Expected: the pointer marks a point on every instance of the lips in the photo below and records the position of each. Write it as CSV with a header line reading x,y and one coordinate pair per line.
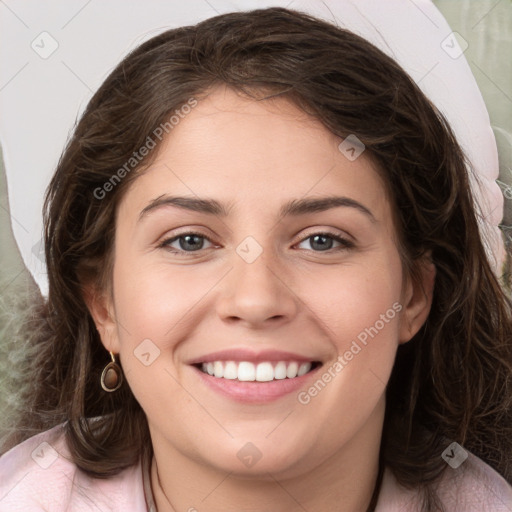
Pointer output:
x,y
250,376
245,354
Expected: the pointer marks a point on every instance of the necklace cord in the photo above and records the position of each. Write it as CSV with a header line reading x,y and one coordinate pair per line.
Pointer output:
x,y
376,490
146,458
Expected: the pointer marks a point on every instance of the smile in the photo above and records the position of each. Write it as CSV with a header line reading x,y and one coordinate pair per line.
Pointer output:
x,y
265,371
253,376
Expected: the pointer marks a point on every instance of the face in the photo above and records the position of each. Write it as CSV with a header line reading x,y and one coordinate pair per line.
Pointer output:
x,y
254,275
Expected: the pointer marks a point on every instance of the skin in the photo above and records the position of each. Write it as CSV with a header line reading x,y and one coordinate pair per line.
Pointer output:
x,y
254,157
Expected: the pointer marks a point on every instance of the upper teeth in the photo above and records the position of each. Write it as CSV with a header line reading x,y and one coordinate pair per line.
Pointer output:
x,y
261,372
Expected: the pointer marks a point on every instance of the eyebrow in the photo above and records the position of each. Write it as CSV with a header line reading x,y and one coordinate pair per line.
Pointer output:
x,y
294,207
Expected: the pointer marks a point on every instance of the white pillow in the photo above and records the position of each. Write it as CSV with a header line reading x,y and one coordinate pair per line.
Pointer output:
x,y
63,54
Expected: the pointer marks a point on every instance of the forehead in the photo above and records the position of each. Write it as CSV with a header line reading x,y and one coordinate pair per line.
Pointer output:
x,y
256,153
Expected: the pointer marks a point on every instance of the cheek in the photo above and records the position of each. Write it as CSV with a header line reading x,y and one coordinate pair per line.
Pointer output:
x,y
153,299
357,311
360,313
151,305
157,307
356,297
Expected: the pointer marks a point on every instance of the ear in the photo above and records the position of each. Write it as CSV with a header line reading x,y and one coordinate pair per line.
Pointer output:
x,y
101,308
417,299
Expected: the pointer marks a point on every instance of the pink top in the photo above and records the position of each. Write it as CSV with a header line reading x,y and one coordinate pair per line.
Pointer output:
x,y
38,475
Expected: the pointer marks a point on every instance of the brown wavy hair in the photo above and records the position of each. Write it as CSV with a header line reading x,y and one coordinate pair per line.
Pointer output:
x,y
451,382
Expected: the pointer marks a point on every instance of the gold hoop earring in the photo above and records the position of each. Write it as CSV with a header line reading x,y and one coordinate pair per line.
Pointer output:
x,y
112,376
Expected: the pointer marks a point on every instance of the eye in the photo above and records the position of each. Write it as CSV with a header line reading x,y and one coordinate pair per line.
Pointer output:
x,y
323,242
187,242
193,242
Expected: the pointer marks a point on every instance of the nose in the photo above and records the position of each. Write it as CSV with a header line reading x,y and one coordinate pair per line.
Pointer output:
x,y
257,294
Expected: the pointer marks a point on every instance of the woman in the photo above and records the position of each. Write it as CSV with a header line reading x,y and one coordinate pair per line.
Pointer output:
x,y
267,290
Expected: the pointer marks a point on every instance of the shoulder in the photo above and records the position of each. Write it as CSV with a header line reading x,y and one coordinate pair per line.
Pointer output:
x,y
39,475
471,487
475,486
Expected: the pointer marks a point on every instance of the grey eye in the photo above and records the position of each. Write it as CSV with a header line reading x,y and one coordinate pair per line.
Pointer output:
x,y
188,242
322,242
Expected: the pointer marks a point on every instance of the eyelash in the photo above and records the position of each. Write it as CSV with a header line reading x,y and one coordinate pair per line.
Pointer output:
x,y
345,244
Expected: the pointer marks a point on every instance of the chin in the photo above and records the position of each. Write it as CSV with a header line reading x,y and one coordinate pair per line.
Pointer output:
x,y
256,459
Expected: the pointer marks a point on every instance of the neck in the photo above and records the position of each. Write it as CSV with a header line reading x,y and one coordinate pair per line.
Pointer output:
x,y
344,481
